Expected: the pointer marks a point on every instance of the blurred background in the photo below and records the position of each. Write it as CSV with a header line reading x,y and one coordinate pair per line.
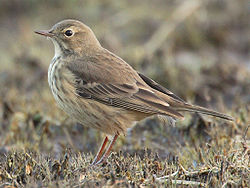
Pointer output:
x,y
197,49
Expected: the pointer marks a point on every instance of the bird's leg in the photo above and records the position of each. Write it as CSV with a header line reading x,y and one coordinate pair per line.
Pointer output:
x,y
106,154
99,153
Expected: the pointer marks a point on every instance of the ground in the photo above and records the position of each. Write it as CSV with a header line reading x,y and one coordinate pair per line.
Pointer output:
x,y
197,49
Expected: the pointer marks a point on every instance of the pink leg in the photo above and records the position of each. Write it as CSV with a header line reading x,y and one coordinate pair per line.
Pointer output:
x,y
106,154
98,155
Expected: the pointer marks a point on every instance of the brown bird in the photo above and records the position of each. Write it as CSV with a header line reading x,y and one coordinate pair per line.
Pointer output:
x,y
102,91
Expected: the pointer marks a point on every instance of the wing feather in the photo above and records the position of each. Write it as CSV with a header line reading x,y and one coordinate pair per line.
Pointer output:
x,y
159,88
118,85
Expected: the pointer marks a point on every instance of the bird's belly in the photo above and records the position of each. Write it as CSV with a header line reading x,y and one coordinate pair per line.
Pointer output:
x,y
93,114
69,104
99,116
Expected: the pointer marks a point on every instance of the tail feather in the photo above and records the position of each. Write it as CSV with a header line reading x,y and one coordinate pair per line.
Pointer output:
x,y
202,110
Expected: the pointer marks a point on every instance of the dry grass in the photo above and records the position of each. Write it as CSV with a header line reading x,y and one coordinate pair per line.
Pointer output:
x,y
203,57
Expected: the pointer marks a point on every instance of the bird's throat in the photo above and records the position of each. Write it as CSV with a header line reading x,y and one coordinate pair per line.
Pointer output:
x,y
58,48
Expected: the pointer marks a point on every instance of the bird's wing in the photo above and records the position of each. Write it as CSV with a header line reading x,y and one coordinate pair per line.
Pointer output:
x,y
109,80
160,88
125,96
177,103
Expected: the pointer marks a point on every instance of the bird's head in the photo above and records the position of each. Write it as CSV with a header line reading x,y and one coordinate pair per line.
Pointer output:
x,y
70,37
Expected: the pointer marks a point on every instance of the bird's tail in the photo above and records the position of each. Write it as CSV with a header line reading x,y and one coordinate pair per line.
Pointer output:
x,y
193,108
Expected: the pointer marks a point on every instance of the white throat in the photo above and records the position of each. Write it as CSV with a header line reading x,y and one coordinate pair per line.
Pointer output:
x,y
58,50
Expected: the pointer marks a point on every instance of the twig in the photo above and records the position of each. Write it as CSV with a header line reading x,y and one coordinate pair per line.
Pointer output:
x,y
187,173
13,178
183,182
162,33
167,176
33,160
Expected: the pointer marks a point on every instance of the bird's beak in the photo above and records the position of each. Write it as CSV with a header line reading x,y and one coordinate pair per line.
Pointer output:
x,y
45,33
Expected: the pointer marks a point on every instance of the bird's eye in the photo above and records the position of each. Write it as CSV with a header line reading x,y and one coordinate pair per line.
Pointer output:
x,y
68,33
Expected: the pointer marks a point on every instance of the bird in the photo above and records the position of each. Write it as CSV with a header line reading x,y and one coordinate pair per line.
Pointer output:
x,y
102,91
